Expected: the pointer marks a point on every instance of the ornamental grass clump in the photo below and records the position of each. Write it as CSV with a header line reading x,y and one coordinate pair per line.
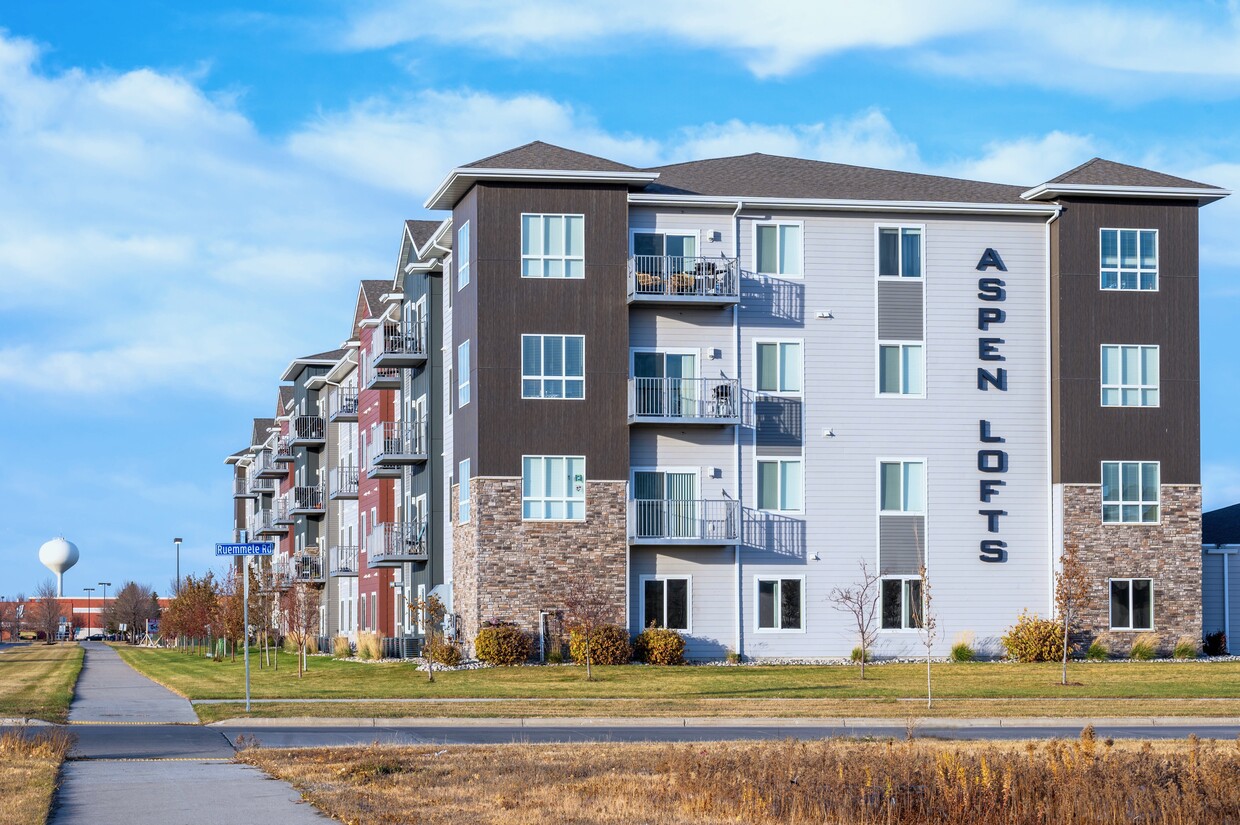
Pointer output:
x,y
659,646
1185,648
369,646
858,655
1034,639
502,644
963,652
341,649
1098,651
1144,648
609,645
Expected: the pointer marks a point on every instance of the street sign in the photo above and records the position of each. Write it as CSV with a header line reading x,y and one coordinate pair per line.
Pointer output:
x,y
249,548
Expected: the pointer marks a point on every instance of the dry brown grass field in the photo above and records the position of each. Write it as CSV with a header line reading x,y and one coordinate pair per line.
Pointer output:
x,y
837,781
29,767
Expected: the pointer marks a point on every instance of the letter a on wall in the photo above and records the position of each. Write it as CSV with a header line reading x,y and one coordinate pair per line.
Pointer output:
x,y
990,258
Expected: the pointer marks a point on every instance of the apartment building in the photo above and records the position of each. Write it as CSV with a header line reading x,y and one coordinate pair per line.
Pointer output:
x,y
712,391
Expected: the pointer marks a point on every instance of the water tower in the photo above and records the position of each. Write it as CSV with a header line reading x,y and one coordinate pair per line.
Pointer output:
x,y
58,555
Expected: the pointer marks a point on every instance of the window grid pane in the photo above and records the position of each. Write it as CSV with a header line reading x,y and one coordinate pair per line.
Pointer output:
x,y
1128,259
1130,492
1130,376
552,246
553,488
547,360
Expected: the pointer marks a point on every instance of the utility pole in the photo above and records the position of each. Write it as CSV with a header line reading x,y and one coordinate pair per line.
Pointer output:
x,y
177,542
103,606
88,591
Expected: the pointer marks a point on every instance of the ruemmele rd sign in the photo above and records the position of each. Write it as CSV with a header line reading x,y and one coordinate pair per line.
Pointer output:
x,y
248,548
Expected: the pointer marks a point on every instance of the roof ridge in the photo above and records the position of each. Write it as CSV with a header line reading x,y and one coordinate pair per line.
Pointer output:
x,y
515,149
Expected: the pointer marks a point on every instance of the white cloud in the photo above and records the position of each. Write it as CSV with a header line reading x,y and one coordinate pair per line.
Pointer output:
x,y
1026,161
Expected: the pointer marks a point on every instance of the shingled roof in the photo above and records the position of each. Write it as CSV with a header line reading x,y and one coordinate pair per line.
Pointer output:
x,y
421,231
1099,172
1221,526
261,426
539,155
285,398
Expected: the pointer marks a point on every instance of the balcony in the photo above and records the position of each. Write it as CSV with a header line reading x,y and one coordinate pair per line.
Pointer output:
x,y
398,443
344,560
264,466
398,345
258,486
342,482
281,509
381,378
241,488
394,543
281,572
265,522
306,567
710,401
678,279
307,431
344,405
284,450
306,501
674,522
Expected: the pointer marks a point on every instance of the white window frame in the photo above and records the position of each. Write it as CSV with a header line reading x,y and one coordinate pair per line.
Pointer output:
x,y
641,598
779,358
1121,502
463,388
563,258
463,258
878,227
667,233
464,509
565,499
779,595
878,368
781,459
925,491
905,626
1130,580
754,244
1140,388
542,364
1118,269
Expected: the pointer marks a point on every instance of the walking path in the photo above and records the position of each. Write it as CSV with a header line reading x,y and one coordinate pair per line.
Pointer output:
x,y
170,775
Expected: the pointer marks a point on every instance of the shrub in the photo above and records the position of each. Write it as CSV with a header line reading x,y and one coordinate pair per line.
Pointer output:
x,y
732,657
341,648
609,646
1185,648
659,646
1144,647
1098,651
963,652
442,651
555,656
1215,644
1033,639
855,656
369,646
502,644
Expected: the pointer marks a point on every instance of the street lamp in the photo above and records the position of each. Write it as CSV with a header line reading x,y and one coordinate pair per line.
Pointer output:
x,y
88,591
177,542
103,605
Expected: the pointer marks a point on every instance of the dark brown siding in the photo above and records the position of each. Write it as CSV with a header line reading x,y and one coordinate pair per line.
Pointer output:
x,y
1084,317
465,328
508,305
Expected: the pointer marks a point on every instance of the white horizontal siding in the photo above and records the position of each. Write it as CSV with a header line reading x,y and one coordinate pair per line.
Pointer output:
x,y
712,594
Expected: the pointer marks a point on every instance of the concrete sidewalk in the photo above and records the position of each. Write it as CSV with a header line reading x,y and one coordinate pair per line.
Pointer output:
x,y
111,691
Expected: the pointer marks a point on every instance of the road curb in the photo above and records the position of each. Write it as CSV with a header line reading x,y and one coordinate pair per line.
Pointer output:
x,y
14,721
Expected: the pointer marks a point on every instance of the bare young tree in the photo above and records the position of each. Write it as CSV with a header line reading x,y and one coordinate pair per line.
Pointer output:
x,y
45,612
299,613
588,610
429,612
861,603
1071,594
20,618
133,606
8,620
927,627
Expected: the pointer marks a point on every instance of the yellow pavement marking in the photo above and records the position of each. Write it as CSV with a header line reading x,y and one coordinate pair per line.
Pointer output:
x,y
90,722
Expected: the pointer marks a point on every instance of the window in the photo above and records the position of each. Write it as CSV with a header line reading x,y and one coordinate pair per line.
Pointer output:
x,y
553,366
553,246
665,603
463,257
553,488
365,615
777,249
902,487
463,493
1129,259
779,484
1129,376
658,245
901,603
780,604
462,374
899,252
779,366
1130,492
1132,604
901,369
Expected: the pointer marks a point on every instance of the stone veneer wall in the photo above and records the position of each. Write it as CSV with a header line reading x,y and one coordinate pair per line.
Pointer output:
x,y
509,569
1169,553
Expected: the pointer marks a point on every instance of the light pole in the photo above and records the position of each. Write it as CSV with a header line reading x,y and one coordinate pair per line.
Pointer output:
x,y
103,605
88,591
177,542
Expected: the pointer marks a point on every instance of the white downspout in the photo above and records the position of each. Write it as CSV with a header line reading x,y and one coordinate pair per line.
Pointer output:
x,y
1054,541
736,431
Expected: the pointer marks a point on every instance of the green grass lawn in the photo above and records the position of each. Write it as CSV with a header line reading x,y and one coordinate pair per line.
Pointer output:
x,y
36,681
201,678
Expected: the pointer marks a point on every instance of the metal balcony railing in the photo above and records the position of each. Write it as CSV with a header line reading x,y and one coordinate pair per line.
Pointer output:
x,y
284,449
306,567
394,542
282,508
344,405
398,345
241,489
342,481
344,560
657,521
306,500
402,442
308,430
265,465
671,278
265,521
685,400
260,486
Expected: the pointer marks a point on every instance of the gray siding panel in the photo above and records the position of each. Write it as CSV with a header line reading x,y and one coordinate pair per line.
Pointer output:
x,y
780,422
901,545
901,311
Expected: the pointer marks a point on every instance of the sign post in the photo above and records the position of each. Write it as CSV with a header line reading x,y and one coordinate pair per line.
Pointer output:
x,y
246,549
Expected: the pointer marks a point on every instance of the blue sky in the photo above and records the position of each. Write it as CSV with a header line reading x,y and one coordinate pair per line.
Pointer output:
x,y
189,192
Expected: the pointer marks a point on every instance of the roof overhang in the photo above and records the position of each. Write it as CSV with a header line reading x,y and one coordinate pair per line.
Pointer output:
x,y
1050,191
342,368
440,239
459,180
839,204
299,364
